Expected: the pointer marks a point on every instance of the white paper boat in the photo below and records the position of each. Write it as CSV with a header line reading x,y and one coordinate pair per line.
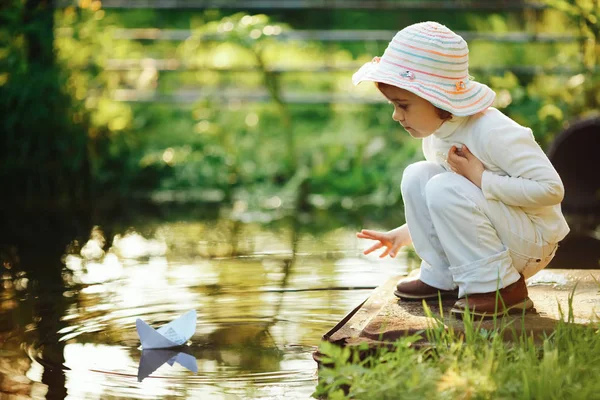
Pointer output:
x,y
175,333
152,359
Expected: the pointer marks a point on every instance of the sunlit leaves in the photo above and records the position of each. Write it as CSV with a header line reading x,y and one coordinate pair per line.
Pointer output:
x,y
350,150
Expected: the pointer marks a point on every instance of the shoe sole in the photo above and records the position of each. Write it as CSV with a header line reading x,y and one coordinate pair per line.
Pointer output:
x,y
405,296
525,306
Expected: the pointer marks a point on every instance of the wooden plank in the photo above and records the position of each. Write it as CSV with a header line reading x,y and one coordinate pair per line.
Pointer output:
x,y
176,65
340,35
492,5
224,96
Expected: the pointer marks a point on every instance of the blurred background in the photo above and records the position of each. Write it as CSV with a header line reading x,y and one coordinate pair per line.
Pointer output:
x,y
161,155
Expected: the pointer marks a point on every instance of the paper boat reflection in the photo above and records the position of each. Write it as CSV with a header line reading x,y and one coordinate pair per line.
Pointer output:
x,y
154,358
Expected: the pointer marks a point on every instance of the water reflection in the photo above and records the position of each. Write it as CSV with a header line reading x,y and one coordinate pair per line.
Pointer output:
x,y
152,359
263,296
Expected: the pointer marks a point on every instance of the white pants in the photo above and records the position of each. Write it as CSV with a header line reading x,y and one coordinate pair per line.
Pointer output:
x,y
464,239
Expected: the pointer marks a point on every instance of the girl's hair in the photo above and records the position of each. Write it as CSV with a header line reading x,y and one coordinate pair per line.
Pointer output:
x,y
443,114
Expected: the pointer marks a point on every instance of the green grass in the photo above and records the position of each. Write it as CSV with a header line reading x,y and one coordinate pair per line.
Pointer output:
x,y
478,364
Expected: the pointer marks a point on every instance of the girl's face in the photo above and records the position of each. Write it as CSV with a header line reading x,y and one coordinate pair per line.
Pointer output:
x,y
418,116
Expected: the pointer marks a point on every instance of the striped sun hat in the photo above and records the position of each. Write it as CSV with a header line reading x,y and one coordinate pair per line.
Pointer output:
x,y
432,62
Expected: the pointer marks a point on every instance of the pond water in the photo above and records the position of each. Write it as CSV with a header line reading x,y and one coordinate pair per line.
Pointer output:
x,y
263,296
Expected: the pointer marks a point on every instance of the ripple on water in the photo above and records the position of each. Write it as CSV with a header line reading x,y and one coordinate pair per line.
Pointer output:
x,y
260,317
244,356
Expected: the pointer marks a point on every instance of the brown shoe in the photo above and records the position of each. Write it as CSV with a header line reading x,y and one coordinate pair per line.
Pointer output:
x,y
416,289
511,299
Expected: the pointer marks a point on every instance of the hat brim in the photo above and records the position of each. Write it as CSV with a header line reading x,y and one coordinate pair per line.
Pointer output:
x,y
473,98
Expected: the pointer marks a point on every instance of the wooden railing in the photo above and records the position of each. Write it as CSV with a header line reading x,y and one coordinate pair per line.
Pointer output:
x,y
176,65
190,95
499,5
344,35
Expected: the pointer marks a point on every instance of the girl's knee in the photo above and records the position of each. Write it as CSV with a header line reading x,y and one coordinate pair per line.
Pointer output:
x,y
444,189
417,174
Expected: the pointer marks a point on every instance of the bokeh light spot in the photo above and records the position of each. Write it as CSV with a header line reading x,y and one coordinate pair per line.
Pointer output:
x,y
251,119
168,156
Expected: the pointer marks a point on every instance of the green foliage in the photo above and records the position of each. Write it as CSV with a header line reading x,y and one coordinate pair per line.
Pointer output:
x,y
43,142
547,102
227,149
478,364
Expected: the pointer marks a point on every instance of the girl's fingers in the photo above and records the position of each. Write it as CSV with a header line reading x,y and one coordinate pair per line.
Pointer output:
x,y
452,163
371,234
373,248
363,236
453,155
385,253
394,250
455,159
467,153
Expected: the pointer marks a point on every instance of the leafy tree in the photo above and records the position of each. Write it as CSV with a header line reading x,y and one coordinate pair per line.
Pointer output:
x,y
43,132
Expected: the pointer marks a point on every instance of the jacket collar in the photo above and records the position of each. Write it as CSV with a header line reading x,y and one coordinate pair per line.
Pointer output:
x,y
449,127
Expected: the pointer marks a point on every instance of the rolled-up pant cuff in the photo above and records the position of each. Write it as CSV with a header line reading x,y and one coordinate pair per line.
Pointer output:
x,y
436,277
485,275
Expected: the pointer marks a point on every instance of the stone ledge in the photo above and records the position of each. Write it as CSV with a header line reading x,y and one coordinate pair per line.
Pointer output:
x,y
382,318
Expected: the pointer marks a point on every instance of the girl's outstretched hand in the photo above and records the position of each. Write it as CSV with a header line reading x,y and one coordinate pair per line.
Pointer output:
x,y
463,162
392,240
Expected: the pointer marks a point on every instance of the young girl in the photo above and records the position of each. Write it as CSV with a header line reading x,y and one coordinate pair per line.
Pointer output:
x,y
483,211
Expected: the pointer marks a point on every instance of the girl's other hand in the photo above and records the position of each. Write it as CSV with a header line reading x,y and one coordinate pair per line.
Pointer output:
x,y
463,162
392,240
